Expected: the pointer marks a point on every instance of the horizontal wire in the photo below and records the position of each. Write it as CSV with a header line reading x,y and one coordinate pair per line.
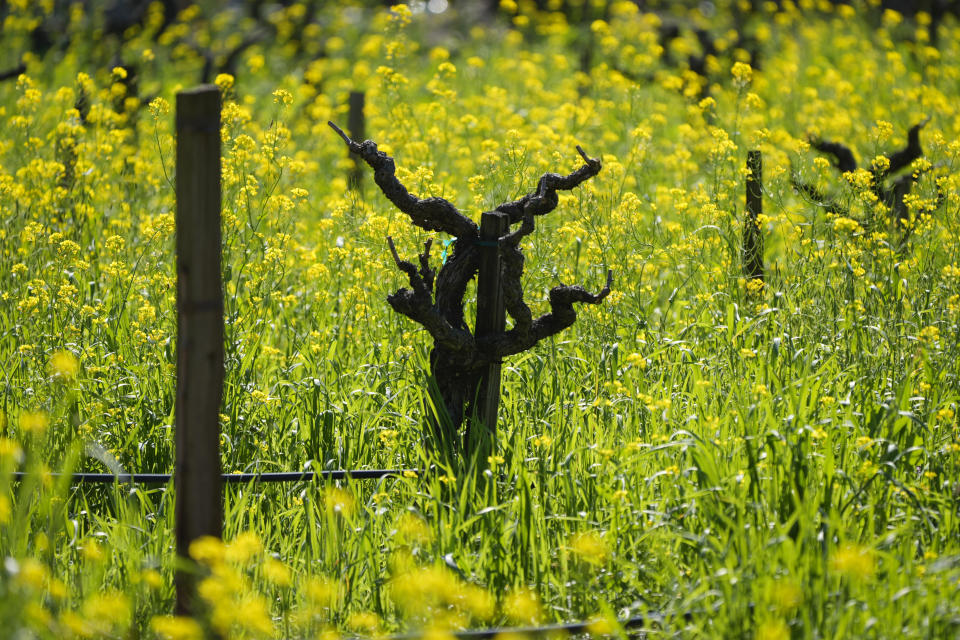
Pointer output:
x,y
231,478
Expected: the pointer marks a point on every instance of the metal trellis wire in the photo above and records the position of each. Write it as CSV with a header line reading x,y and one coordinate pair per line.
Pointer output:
x,y
233,478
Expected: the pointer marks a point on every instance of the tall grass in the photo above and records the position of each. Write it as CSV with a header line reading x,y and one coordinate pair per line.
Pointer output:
x,y
730,461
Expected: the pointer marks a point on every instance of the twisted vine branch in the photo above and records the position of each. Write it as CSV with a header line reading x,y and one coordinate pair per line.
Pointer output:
x,y
845,161
435,299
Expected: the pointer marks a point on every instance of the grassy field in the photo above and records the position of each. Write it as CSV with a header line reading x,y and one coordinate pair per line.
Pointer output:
x,y
730,460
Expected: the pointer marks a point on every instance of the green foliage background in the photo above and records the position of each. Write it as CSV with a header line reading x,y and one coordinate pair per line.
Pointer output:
x,y
770,462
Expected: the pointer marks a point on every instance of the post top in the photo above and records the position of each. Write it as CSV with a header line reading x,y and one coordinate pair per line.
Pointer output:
x,y
200,90
198,110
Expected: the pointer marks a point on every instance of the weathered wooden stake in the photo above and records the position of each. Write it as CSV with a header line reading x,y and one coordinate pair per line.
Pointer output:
x,y
752,237
491,318
199,511
357,124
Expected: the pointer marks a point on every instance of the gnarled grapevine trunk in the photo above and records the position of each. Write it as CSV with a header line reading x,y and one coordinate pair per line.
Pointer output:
x,y
892,197
435,300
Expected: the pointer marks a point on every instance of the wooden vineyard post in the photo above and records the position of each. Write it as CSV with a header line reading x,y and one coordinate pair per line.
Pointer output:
x,y
200,334
491,318
356,123
752,237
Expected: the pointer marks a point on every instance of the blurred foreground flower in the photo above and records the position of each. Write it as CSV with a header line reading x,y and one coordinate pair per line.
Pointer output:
x,y
854,562
176,628
64,366
34,421
590,547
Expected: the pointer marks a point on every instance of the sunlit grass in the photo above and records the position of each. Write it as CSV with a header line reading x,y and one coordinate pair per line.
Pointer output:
x,y
731,460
